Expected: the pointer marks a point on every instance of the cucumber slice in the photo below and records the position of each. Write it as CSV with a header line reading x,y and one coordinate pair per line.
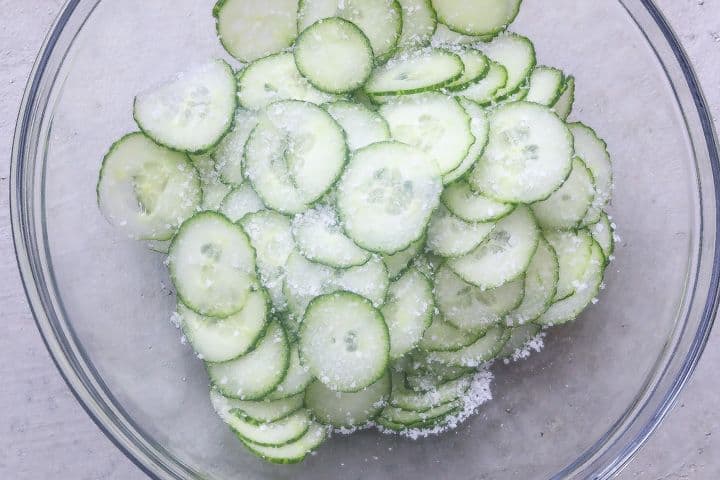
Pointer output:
x,y
573,251
588,286
566,208
347,410
255,375
450,236
409,419
275,434
476,66
294,155
255,412
429,376
484,91
564,105
147,190
241,201
506,254
408,311
464,203
603,232
275,78
397,263
223,340
468,307
253,29
362,126
593,151
334,55
193,112
541,281
230,151
481,17
296,380
528,157
415,72
519,95
444,36
546,85
319,237
214,191
370,281
484,349
212,265
406,399
519,338
344,342
304,281
442,336
517,54
435,123
294,452
418,23
386,196
480,129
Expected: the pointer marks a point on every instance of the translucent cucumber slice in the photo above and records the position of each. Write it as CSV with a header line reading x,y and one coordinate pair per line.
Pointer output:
x,y
564,104
406,399
442,336
604,234
418,23
294,452
398,262
484,349
476,66
480,128
275,434
450,236
480,17
347,410
296,380
545,86
593,151
519,338
256,412
566,208
214,190
573,250
241,201
416,71
517,54
409,418
484,91
470,206
408,311
230,152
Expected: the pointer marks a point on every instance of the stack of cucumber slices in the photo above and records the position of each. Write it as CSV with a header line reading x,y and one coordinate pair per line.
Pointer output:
x,y
380,199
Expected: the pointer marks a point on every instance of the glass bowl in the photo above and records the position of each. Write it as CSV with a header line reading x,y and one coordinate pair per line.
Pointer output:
x,y
578,409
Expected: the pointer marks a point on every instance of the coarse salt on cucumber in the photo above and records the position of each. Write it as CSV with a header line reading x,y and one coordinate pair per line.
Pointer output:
x,y
450,236
418,23
566,208
483,350
397,263
442,336
484,90
476,66
415,72
593,151
517,54
214,190
347,410
296,380
362,126
411,418
294,452
480,129
464,203
564,104
241,201
406,399
480,17
517,345
604,234
573,249
230,152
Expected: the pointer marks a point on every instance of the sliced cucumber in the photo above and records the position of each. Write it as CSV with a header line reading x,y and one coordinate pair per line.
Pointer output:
x,y
273,79
362,126
418,23
449,236
519,338
344,342
484,91
406,399
484,349
604,234
481,17
573,250
504,256
253,29
255,375
304,281
593,151
566,208
546,85
443,36
435,123
464,203
147,190
528,157
294,452
476,66
442,336
347,410
230,151
193,112
386,196
408,418
370,281
587,287
212,265
214,191
275,434
541,280
334,55
415,72
398,262
480,129
564,105
296,380
319,237
429,376
241,201
223,340
255,412
408,311
517,54
159,246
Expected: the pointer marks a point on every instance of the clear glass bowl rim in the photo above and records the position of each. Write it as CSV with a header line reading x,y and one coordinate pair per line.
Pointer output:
x,y
605,459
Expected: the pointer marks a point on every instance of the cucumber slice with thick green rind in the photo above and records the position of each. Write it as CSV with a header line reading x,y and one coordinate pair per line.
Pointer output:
x,y
506,254
593,151
362,126
193,112
275,434
386,196
408,311
408,418
573,250
449,236
397,263
480,17
435,123
464,203
257,374
241,201
253,29
519,338
159,246
212,265
230,151
344,342
480,129
334,55
588,286
347,410
484,91
256,412
564,104
418,23
484,349
545,86
517,54
296,380
294,452
380,20
319,237
566,208
541,281
414,401
223,340
415,72
442,336
276,78
370,281
528,157
468,307
147,190
604,234
476,66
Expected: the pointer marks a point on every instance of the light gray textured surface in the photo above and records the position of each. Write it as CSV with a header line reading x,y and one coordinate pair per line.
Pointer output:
x,y
44,432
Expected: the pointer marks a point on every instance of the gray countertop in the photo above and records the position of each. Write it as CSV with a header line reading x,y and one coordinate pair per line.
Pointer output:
x,y
44,433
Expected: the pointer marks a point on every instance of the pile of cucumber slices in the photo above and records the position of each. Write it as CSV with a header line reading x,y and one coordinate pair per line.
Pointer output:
x,y
381,198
